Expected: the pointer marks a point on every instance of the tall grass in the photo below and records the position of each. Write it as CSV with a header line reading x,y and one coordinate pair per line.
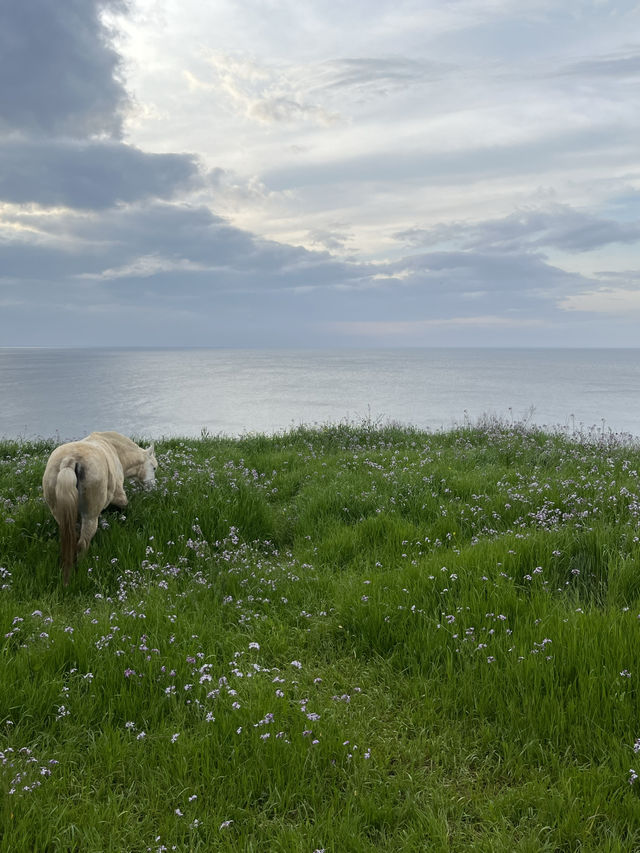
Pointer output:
x,y
343,639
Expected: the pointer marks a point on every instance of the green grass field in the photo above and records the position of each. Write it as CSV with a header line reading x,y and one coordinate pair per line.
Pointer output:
x,y
352,638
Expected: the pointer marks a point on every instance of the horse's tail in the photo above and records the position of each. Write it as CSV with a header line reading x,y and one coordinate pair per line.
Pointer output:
x,y
67,514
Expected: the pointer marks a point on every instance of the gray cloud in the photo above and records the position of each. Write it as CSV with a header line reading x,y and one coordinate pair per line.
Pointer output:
x,y
61,109
58,72
88,174
559,227
164,246
561,150
186,257
335,238
622,66
159,274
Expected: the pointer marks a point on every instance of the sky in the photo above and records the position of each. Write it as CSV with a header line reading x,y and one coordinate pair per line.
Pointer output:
x,y
313,173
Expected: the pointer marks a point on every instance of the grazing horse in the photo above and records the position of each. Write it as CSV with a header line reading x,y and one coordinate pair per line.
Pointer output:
x,y
84,477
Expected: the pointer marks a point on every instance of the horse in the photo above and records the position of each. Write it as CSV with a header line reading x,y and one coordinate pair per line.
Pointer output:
x,y
83,477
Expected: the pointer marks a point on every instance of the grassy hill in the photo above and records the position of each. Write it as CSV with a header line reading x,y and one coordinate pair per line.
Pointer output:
x,y
340,639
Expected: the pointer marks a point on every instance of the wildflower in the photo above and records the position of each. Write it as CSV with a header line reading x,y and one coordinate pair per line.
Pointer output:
x,y
254,646
296,663
174,737
225,824
141,736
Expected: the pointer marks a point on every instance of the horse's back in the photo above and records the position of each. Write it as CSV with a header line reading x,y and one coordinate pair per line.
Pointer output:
x,y
96,464
115,440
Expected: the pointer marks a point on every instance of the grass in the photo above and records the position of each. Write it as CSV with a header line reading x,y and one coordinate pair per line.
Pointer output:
x,y
343,639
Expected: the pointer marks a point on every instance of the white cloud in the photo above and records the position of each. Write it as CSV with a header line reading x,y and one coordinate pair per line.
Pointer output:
x,y
144,267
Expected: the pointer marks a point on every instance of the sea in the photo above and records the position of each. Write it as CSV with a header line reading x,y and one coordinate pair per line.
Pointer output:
x,y
151,393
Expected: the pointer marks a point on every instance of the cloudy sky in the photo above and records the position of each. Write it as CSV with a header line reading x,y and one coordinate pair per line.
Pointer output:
x,y
319,173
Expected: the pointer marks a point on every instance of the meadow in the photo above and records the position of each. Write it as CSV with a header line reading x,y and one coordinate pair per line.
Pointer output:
x,y
344,638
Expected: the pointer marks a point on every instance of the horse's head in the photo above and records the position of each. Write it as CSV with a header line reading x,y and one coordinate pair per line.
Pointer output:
x,y
148,468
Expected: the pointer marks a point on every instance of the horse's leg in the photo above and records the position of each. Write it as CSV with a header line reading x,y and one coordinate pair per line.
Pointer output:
x,y
119,498
87,531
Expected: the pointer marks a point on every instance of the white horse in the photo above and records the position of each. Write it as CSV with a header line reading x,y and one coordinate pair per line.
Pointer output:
x,y
84,477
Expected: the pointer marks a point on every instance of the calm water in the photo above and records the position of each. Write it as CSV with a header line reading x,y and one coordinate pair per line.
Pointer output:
x,y
67,393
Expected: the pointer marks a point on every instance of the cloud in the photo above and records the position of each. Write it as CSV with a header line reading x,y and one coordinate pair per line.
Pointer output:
x,y
314,92
145,266
334,238
400,328
58,71
280,108
622,66
163,245
62,102
464,271
610,301
266,93
89,174
377,75
169,273
558,227
460,151
334,125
